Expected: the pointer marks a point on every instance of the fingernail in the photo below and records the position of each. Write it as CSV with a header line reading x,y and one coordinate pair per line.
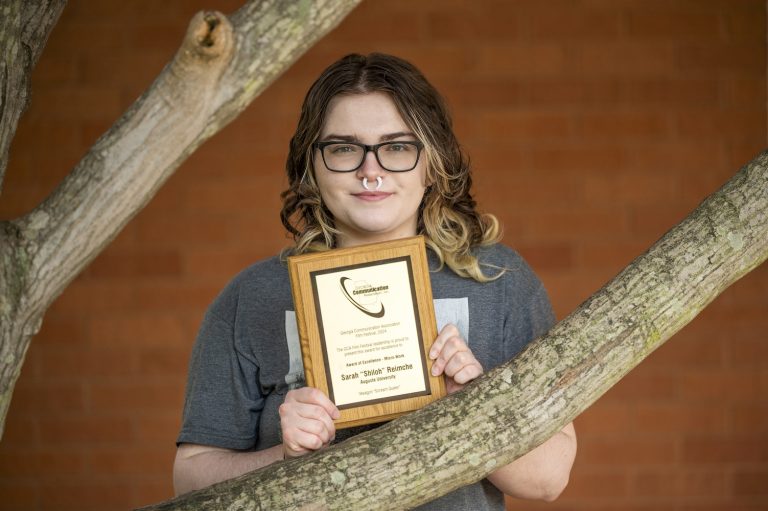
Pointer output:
x,y
435,372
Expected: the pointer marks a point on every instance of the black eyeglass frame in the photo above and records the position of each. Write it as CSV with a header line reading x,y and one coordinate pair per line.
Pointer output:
x,y
372,148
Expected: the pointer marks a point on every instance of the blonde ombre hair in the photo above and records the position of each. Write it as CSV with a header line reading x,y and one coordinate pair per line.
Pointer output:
x,y
447,218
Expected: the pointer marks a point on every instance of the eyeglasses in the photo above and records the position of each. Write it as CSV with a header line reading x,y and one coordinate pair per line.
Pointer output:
x,y
349,156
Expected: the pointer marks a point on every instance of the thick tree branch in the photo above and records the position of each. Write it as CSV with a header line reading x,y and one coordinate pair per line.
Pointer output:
x,y
517,406
220,68
24,29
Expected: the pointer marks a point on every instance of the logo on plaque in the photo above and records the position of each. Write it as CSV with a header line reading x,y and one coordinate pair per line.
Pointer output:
x,y
364,296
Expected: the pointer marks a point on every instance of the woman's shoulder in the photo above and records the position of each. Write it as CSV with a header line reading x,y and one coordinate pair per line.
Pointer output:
x,y
503,257
266,274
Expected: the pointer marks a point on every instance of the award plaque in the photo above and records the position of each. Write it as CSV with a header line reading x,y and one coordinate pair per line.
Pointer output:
x,y
366,322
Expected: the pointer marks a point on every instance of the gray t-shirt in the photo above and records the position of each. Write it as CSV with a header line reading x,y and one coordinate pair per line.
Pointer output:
x,y
247,356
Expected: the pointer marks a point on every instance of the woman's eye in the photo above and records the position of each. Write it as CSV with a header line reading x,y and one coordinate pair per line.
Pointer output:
x,y
343,148
398,148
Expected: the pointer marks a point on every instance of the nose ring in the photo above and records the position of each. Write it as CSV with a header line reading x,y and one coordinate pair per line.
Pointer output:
x,y
378,183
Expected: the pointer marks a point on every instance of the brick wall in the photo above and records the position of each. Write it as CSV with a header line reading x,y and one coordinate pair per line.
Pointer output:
x,y
593,126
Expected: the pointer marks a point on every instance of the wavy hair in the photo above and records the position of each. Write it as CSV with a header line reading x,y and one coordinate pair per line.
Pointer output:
x,y
447,218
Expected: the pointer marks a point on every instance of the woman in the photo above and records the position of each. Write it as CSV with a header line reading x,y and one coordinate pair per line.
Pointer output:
x,y
374,158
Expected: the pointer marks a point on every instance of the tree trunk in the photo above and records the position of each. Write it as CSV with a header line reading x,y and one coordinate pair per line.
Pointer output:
x,y
512,409
24,29
222,65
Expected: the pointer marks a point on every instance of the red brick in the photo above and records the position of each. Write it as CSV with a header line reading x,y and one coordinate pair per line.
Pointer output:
x,y
585,224
521,126
712,58
587,483
132,461
551,256
672,92
605,418
80,103
133,396
645,383
573,22
482,93
751,482
462,23
585,158
520,60
160,428
152,492
623,58
614,253
702,449
436,62
37,132
137,329
627,451
395,24
162,361
745,27
60,331
568,91
744,91
84,295
623,124
220,264
632,188
19,496
20,430
82,430
131,265
177,295
86,363
698,482
29,463
674,25
731,385
675,418
86,495
39,397
717,124
688,349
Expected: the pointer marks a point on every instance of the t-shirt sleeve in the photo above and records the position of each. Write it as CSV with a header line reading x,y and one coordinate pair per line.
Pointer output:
x,y
223,401
529,312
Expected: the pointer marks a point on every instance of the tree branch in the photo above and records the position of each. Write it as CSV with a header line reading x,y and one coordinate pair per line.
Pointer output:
x,y
221,67
512,409
24,29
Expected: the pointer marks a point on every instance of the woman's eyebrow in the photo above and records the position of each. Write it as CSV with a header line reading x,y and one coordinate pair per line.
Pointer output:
x,y
384,138
399,134
344,138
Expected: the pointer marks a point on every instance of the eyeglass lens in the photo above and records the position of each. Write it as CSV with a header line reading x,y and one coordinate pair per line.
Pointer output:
x,y
392,156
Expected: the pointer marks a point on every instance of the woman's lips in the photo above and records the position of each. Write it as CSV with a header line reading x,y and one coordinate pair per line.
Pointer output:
x,y
372,196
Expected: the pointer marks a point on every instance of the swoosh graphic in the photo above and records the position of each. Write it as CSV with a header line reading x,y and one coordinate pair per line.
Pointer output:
x,y
353,302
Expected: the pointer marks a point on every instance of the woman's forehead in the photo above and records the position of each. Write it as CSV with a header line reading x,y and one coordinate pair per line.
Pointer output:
x,y
366,115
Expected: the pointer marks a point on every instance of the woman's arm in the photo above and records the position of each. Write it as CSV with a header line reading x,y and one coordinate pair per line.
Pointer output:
x,y
197,466
543,473
306,421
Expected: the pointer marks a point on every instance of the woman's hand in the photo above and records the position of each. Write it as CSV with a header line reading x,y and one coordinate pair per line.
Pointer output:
x,y
306,421
452,357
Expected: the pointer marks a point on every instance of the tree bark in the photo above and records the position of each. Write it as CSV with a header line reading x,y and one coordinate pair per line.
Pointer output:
x,y
222,65
512,409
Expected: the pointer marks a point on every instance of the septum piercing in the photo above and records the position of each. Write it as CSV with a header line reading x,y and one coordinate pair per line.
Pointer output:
x,y
378,182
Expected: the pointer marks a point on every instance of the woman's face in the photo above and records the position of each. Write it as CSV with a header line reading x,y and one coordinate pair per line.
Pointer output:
x,y
367,216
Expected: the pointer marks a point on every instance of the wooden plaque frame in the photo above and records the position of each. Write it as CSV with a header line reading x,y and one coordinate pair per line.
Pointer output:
x,y
372,359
